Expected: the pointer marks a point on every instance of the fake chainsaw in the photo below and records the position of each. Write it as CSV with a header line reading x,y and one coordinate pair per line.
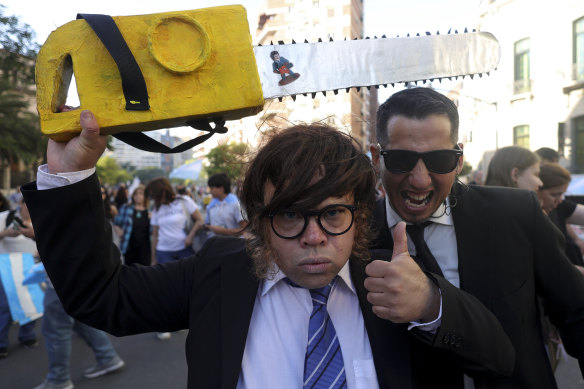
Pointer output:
x,y
140,73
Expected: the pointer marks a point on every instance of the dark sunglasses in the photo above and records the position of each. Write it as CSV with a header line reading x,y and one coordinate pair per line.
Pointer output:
x,y
436,161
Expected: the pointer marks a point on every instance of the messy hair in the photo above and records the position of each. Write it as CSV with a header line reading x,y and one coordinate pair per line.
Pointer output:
x,y
304,165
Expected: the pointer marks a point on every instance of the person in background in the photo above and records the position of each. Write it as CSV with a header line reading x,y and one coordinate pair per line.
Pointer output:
x,y
121,197
572,238
555,180
132,225
514,167
493,245
223,216
16,236
477,178
170,218
548,155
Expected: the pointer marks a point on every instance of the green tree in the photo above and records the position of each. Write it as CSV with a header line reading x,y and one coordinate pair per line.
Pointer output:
x,y
19,128
229,158
147,174
109,172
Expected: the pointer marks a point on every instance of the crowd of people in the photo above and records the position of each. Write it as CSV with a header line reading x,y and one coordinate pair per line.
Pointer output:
x,y
331,269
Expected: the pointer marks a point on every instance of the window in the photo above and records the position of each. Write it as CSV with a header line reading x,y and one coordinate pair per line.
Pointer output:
x,y
579,144
522,82
521,136
578,50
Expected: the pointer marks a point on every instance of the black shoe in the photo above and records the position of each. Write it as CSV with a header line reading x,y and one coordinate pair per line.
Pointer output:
x,y
31,343
3,352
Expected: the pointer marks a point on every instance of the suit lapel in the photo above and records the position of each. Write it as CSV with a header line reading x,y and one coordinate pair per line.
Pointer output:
x,y
238,291
389,341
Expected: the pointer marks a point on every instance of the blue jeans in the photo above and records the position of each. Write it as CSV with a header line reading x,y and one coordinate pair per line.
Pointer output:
x,y
25,332
58,329
168,256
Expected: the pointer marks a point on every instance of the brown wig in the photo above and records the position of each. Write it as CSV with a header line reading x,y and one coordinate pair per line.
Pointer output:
x,y
160,190
553,174
505,160
305,164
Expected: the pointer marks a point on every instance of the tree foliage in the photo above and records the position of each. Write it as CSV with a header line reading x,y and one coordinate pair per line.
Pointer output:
x,y
147,174
19,128
229,158
109,172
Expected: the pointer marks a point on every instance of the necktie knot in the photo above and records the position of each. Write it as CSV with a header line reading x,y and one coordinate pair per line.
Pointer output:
x,y
321,295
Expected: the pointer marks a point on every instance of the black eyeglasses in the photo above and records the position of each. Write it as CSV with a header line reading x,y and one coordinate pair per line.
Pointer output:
x,y
436,161
334,219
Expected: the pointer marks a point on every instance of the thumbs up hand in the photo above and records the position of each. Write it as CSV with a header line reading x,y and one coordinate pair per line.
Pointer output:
x,y
399,290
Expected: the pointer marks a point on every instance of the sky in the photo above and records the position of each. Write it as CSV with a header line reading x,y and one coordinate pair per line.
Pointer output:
x,y
389,17
381,17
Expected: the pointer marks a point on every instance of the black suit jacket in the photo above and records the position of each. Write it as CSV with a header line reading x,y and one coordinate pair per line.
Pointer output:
x,y
509,253
213,295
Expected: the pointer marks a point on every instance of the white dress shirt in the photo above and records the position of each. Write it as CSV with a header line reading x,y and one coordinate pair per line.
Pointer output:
x,y
278,334
441,240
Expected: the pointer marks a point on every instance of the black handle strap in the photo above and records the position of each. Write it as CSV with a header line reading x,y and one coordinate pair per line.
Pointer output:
x,y
133,82
135,91
144,142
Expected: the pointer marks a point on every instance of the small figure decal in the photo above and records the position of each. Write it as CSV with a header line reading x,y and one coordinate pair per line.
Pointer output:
x,y
282,67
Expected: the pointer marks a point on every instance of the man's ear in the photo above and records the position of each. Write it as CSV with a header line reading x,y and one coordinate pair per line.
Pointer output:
x,y
374,157
514,174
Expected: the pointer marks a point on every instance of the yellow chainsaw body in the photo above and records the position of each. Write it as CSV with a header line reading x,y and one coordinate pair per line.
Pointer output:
x,y
197,64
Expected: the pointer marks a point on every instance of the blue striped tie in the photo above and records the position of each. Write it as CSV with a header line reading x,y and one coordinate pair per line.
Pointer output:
x,y
323,366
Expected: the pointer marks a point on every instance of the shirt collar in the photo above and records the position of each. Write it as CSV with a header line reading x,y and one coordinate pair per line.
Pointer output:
x,y
440,216
278,275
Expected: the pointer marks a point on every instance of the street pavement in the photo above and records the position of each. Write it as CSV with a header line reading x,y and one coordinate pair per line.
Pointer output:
x,y
150,364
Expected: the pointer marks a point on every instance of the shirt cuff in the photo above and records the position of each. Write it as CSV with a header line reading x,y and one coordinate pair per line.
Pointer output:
x,y
46,180
432,326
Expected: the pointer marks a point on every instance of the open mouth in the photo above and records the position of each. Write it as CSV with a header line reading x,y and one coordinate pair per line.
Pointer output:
x,y
416,200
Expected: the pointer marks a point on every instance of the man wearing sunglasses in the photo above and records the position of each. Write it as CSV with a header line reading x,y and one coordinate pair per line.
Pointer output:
x,y
484,247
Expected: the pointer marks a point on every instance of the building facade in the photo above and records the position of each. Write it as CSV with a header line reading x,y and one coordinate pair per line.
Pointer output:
x,y
535,97
300,20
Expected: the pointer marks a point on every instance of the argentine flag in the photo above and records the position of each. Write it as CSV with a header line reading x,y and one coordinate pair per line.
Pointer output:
x,y
25,301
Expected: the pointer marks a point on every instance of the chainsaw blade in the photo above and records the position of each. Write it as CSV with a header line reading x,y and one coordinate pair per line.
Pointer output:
x,y
303,68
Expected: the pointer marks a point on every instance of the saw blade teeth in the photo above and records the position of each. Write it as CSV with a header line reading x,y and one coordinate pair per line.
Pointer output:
x,y
336,91
474,30
376,86
465,30
280,99
347,90
392,84
293,42
366,37
293,97
417,34
471,76
358,88
383,36
306,41
449,30
407,36
320,39
323,93
313,94
437,32
281,42
355,38
456,31
271,43
428,33
304,94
